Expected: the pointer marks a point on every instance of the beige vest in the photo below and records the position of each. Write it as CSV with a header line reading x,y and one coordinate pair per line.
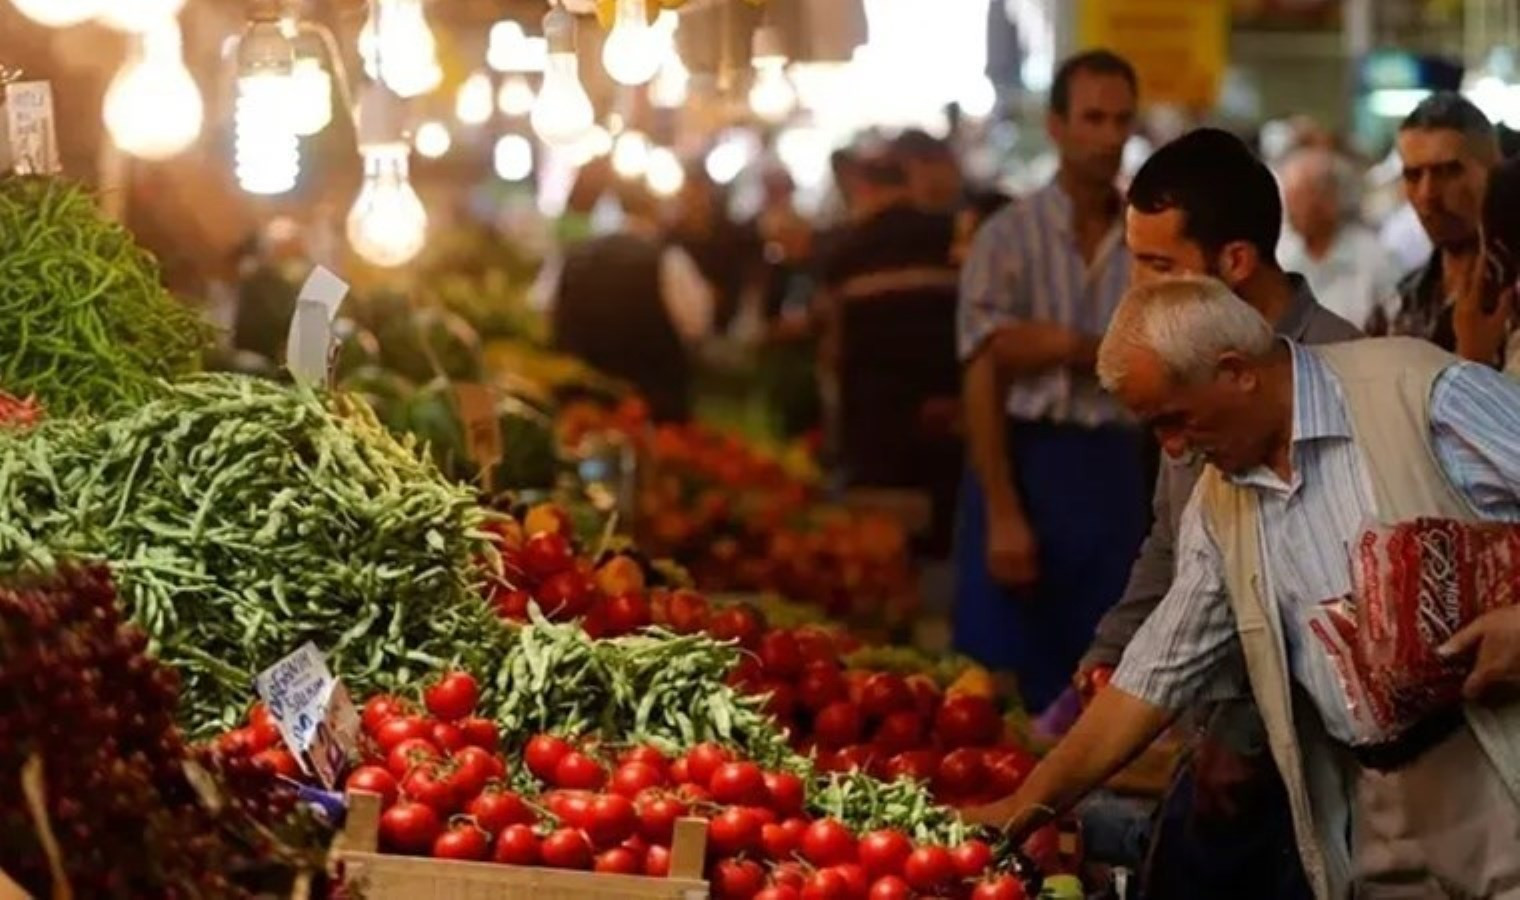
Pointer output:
x,y
1386,384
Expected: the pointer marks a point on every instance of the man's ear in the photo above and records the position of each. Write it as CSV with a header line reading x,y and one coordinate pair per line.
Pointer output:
x,y
1233,368
1237,263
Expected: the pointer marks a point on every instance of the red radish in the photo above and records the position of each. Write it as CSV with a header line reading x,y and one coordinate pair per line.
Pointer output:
x,y
278,761
627,613
566,595
740,623
688,612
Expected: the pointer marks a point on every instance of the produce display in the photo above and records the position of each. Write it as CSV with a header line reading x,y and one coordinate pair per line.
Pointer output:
x,y
88,325
242,519
114,810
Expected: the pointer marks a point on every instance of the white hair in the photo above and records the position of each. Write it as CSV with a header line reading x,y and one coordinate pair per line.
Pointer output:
x,y
1188,322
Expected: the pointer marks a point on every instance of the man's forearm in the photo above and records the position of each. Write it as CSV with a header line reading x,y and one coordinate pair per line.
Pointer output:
x,y
1030,348
986,433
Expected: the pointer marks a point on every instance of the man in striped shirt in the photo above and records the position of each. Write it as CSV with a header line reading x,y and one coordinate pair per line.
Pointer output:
x,y
1050,522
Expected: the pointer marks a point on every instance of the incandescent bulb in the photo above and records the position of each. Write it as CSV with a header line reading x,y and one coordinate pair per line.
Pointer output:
x,y
665,174
153,109
633,50
388,224
137,15
562,112
513,158
268,154
516,96
476,100
310,96
505,41
594,144
59,13
630,154
668,90
433,140
771,96
400,50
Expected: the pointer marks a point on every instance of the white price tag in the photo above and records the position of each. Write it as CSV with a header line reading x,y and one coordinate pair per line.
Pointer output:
x,y
29,142
312,708
309,343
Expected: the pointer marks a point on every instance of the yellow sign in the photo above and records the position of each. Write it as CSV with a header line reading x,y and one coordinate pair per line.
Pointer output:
x,y
1178,47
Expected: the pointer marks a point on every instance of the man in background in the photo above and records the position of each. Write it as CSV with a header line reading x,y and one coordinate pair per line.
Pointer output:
x,y
1049,527
935,181
1345,264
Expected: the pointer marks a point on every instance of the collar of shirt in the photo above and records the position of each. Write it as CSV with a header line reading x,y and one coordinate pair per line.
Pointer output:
x,y
1057,212
1294,323
1319,413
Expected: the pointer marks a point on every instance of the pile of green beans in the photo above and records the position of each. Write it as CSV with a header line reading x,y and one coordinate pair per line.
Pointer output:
x,y
241,519
85,323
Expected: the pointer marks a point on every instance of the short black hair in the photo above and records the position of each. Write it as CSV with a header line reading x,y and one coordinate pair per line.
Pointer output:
x,y
1450,111
1094,62
917,144
1225,193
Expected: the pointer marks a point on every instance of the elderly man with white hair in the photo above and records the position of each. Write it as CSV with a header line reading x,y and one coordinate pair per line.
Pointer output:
x,y
1306,447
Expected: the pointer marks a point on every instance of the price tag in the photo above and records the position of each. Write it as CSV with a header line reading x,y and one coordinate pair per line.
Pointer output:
x,y
482,430
315,715
309,344
29,142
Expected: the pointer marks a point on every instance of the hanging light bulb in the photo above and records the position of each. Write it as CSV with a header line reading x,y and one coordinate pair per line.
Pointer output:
x,y
59,13
399,48
505,43
137,15
388,224
268,154
513,158
153,109
476,100
594,144
630,154
516,96
563,112
668,90
311,96
665,175
771,95
633,50
433,140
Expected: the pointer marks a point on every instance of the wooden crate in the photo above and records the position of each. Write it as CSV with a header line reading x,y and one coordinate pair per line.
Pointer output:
x,y
370,875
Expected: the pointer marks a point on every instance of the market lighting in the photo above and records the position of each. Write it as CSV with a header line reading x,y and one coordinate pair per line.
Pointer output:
x,y
771,96
562,113
978,98
666,176
267,152
399,48
516,96
476,100
668,90
137,15
595,144
311,96
59,13
726,160
513,158
633,50
153,109
433,140
1395,103
630,154
505,41
388,224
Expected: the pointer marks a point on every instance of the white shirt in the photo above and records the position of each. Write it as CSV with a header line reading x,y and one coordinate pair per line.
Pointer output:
x,y
1356,276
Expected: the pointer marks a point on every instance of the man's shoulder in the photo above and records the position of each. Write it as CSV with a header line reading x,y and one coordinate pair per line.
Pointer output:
x,y
1323,326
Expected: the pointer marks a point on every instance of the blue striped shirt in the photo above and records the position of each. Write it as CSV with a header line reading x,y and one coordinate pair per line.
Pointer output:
x,y
1308,526
1026,266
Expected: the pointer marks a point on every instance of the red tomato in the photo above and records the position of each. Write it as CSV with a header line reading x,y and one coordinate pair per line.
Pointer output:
x,y
972,859
657,861
837,725
511,605
566,848
1006,771
856,757
279,761
786,792
494,810
462,841
1043,847
746,675
376,780
821,684
657,816
778,892
780,700
627,613
734,831
826,884
517,845
618,861
884,694
919,765
431,784
409,827
693,794
961,773
883,852
633,778
613,820
566,595
999,887
739,784
791,874
816,644
647,755
378,709
899,732
927,696
855,876
546,554
476,767
889,888
967,721
237,742
571,808
780,655
264,734
481,733
778,842
687,611
577,771
703,760
740,623
680,772
400,728
542,755
452,697
735,879
827,842
929,868
408,754
447,736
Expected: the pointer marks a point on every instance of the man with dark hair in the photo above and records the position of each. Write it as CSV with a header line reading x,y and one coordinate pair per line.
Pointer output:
x,y
934,174
1051,521
1206,205
1448,147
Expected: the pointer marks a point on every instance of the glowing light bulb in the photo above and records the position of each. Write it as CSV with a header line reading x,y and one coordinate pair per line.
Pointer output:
x,y
433,140
267,152
633,50
476,100
726,160
153,109
388,224
137,15
665,174
978,99
630,154
513,158
59,13
594,144
668,90
562,112
400,49
505,41
516,96
771,96
311,96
